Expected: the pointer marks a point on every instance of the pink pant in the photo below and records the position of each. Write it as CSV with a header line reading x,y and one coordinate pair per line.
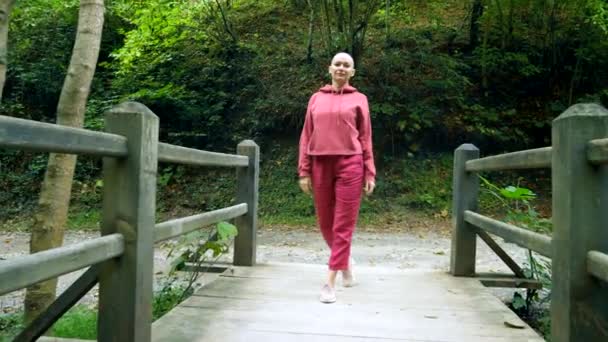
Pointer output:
x,y
337,183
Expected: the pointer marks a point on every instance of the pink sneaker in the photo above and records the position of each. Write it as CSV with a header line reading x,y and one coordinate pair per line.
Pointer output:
x,y
328,295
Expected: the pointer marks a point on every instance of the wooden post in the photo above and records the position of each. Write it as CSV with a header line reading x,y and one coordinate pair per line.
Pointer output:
x,y
129,201
579,306
465,195
245,243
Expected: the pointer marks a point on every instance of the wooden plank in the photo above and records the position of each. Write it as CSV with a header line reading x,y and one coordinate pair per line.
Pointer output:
x,y
177,227
597,151
522,237
529,159
431,306
31,269
245,243
61,305
183,155
579,303
465,193
510,282
28,135
129,207
501,253
597,265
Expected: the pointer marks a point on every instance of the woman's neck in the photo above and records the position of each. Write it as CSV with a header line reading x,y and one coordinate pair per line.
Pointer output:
x,y
338,85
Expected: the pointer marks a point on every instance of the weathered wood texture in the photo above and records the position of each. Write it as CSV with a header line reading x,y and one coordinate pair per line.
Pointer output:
x,y
507,280
522,237
30,269
245,242
579,304
465,194
61,305
528,159
279,302
539,243
125,285
30,135
597,265
183,155
597,151
177,227
501,253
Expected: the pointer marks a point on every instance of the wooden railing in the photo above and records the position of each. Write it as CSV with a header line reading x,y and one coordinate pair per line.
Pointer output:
x,y
121,259
579,244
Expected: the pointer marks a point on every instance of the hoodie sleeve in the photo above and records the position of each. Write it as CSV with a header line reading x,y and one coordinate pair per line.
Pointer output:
x,y
365,138
303,157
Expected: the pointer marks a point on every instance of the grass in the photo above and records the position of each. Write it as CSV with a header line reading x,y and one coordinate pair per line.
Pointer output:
x,y
81,321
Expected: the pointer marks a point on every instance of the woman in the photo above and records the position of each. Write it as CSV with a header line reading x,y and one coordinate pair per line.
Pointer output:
x,y
335,162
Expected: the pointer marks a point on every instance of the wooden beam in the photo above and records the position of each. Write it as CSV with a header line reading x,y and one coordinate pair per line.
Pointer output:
x,y
522,237
60,306
528,159
579,303
129,207
501,253
597,151
496,280
597,265
31,269
28,135
177,227
465,193
245,243
183,155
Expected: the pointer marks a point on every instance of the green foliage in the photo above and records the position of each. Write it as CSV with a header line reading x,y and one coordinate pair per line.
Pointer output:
x,y
520,212
79,322
169,296
10,326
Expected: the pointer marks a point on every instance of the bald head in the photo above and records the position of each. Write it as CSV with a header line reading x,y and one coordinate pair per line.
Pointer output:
x,y
344,56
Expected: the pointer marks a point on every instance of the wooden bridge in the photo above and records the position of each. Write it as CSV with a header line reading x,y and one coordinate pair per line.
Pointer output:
x,y
278,302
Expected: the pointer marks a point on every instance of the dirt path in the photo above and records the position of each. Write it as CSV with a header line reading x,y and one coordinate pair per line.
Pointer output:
x,y
400,248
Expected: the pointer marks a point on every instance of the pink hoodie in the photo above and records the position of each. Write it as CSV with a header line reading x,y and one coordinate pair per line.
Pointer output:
x,y
337,123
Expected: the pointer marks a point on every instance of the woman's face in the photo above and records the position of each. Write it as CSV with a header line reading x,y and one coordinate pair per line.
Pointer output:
x,y
341,68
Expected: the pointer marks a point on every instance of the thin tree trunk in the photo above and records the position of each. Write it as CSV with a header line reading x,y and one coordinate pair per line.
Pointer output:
x,y
387,20
51,217
510,27
575,78
501,19
6,6
476,14
328,25
227,25
311,22
484,57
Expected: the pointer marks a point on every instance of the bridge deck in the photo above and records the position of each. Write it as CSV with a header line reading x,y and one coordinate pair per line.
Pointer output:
x,y
278,302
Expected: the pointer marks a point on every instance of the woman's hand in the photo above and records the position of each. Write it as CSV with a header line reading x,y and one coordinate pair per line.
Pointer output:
x,y
369,187
305,185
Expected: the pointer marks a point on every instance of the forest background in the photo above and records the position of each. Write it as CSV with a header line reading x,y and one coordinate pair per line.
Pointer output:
x,y
438,73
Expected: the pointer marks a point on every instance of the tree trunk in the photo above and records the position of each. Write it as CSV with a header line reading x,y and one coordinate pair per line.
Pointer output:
x,y
328,31
51,217
510,28
6,6
476,14
311,22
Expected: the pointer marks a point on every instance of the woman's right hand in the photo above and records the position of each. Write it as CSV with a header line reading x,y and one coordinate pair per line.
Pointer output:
x,y
305,185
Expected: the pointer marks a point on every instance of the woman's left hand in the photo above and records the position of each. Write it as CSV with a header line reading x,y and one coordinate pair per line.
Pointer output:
x,y
369,187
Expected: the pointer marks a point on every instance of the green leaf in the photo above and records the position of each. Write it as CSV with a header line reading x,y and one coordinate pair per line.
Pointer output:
x,y
518,301
517,193
226,231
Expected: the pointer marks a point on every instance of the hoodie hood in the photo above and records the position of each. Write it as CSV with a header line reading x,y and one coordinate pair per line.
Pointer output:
x,y
345,90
